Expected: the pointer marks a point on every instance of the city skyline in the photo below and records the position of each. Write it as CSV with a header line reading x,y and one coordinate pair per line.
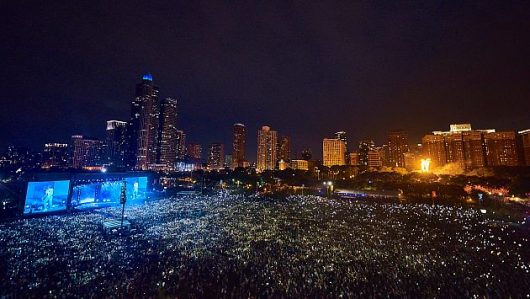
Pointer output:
x,y
244,68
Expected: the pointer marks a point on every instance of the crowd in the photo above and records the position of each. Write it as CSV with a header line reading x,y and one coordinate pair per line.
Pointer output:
x,y
236,246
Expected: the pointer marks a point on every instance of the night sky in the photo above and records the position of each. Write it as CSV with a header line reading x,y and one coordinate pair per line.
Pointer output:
x,y
306,69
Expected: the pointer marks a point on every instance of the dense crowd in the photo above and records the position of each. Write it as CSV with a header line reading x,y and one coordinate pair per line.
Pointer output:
x,y
301,246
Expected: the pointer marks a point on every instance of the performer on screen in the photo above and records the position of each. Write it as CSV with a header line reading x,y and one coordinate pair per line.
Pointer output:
x,y
47,199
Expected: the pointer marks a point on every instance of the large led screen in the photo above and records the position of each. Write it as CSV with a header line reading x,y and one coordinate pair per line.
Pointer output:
x,y
45,197
102,194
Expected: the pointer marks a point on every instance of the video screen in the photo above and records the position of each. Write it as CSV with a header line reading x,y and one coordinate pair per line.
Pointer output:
x,y
136,189
104,194
45,197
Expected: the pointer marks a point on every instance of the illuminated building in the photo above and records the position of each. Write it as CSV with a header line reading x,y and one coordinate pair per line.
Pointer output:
x,y
283,165
365,146
55,155
168,135
434,148
143,127
194,151
181,144
267,147
284,148
116,143
353,159
425,165
398,145
525,147
333,151
216,155
374,158
299,164
239,142
473,149
500,149
411,161
86,152
454,146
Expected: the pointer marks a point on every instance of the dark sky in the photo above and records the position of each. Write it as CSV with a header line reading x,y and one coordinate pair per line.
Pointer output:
x,y
307,69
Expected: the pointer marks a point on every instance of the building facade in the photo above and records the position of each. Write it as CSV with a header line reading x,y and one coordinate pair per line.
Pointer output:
x,y
267,149
239,144
398,145
116,143
216,155
333,152
168,140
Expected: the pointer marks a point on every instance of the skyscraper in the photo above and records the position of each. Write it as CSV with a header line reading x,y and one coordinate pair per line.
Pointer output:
x,y
434,149
216,156
116,143
143,127
168,133
473,149
525,146
86,152
239,142
500,149
267,146
284,148
365,146
333,152
398,145
181,144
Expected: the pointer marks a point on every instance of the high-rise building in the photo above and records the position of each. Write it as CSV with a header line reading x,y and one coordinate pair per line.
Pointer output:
x,y
500,149
284,148
365,146
55,155
473,149
228,161
181,144
374,157
434,149
398,144
168,133
116,143
525,147
239,142
454,149
194,151
86,152
333,151
267,146
216,155
143,127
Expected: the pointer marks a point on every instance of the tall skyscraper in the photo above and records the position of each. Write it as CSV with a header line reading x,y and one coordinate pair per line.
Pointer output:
x,y
365,146
267,146
239,142
181,144
86,152
454,146
500,149
525,146
55,155
116,143
473,149
333,152
143,127
284,148
216,154
168,133
398,145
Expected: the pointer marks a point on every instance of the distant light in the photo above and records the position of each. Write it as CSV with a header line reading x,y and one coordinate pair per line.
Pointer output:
x,y
104,170
425,165
483,211
147,77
